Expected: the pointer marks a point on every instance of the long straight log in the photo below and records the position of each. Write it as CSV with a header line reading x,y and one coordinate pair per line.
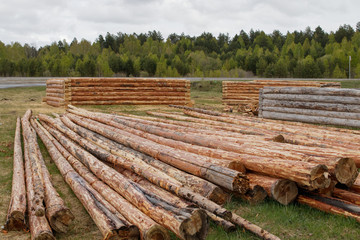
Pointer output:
x,y
226,225
128,93
300,174
138,97
281,190
179,224
129,102
198,185
39,226
148,228
36,170
313,91
109,221
189,162
15,219
347,196
335,206
120,89
314,98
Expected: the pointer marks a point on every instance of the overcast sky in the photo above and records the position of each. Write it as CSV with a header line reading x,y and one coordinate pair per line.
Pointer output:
x,y
41,22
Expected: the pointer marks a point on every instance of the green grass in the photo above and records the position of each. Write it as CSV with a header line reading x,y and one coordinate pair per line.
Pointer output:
x,y
288,222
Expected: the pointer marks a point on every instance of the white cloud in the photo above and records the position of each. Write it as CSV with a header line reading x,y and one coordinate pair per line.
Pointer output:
x,y
42,22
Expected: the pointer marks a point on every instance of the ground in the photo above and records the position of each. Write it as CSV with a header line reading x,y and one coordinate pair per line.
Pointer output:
x,y
288,222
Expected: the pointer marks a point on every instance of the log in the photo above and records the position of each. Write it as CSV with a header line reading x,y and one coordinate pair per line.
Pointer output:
x,y
39,226
331,205
137,89
57,213
119,98
107,220
226,225
255,195
281,190
313,91
129,102
129,93
146,203
36,170
135,164
347,196
149,229
318,173
198,185
356,186
189,162
313,98
15,219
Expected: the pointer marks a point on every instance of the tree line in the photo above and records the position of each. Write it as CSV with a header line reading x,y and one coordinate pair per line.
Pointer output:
x,y
299,54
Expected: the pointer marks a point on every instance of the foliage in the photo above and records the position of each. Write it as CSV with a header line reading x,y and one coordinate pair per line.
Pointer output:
x,y
305,54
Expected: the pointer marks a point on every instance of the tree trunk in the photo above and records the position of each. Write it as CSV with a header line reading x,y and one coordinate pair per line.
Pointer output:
x,y
149,229
15,219
150,205
281,190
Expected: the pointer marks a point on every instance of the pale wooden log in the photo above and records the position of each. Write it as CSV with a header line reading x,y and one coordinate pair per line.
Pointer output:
x,y
55,81
189,162
347,196
57,213
15,219
39,226
55,104
135,164
226,225
148,228
313,98
281,190
129,98
331,205
55,99
198,185
313,91
336,107
311,119
313,112
150,206
38,182
130,102
129,93
54,90
277,167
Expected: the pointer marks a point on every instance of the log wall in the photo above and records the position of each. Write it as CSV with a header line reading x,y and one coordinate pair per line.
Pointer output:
x,y
331,106
244,96
117,91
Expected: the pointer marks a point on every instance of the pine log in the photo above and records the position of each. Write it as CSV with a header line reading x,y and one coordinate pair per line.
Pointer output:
x,y
313,91
356,186
138,97
198,185
331,205
39,226
135,164
130,93
15,219
109,221
281,190
189,162
120,89
318,173
347,196
313,98
55,81
226,225
149,204
58,215
255,195
36,170
149,229
130,102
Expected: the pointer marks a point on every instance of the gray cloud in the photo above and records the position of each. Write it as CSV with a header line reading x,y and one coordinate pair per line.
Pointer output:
x,y
42,22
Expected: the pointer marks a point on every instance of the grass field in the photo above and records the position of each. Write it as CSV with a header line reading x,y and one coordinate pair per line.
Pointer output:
x,y
288,222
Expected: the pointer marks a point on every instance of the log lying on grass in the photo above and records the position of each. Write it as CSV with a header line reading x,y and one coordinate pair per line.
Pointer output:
x,y
107,220
39,226
15,219
226,225
149,229
181,225
281,190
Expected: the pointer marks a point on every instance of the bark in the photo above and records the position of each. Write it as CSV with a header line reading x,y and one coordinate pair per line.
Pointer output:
x,y
226,225
149,229
15,219
356,186
331,205
108,220
150,205
188,162
281,190
39,226
347,196
130,102
275,167
35,166
58,215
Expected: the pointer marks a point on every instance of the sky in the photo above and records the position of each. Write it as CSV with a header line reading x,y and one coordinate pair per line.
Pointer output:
x,y
42,22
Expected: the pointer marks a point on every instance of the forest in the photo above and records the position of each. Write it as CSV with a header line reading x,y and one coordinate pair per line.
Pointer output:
x,y
299,54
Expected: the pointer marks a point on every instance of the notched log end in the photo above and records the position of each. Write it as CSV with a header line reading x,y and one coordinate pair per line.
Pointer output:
x,y
319,177
345,171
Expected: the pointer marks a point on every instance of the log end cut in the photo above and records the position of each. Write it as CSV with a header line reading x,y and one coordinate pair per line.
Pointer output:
x,y
284,191
156,232
196,226
218,196
319,177
345,171
241,184
15,222
44,235
61,220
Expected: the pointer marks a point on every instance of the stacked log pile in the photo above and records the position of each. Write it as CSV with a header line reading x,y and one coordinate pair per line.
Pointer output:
x,y
313,105
117,91
244,96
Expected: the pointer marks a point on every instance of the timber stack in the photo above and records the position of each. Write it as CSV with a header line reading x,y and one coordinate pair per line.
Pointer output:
x,y
312,105
117,91
244,96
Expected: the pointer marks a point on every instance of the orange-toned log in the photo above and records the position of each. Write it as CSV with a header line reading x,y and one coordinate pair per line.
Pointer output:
x,y
347,196
356,186
15,219
130,102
